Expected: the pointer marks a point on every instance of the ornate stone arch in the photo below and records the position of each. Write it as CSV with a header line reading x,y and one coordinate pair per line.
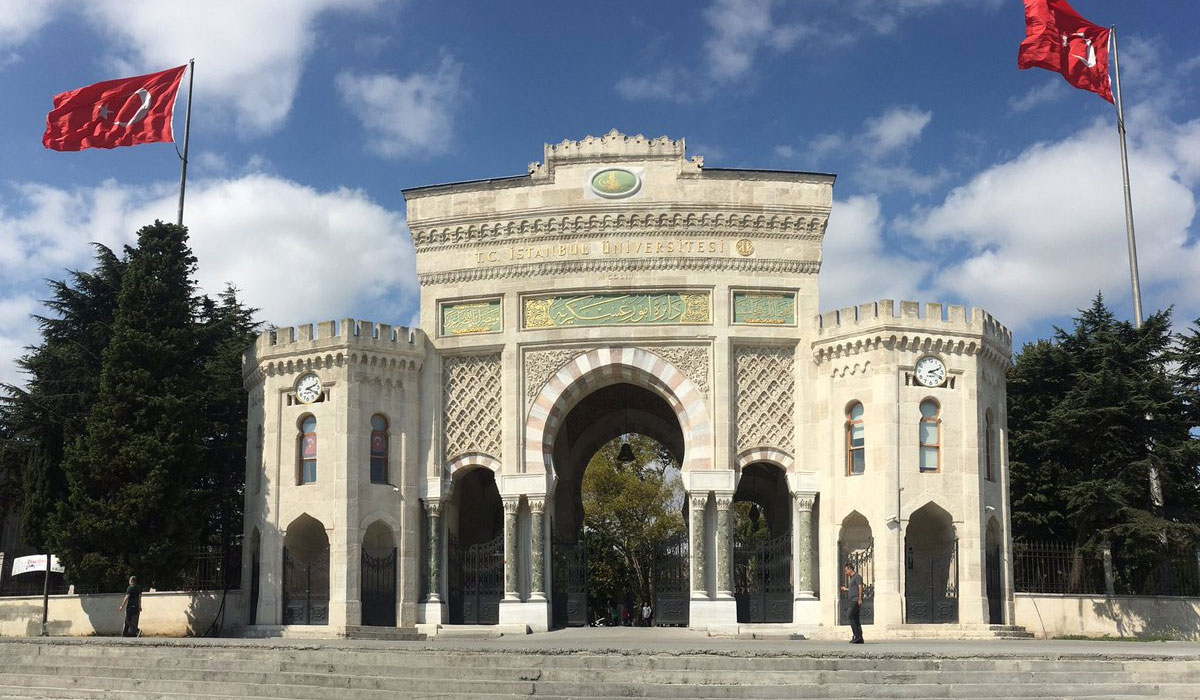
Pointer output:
x,y
605,366
380,515
770,455
472,459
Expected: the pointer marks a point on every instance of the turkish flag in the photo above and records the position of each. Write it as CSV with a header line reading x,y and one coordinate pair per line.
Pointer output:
x,y
1058,39
124,112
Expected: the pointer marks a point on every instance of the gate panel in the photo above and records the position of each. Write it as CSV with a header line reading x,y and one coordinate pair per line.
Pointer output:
x,y
931,586
863,560
379,590
305,589
672,585
995,586
480,584
762,579
569,590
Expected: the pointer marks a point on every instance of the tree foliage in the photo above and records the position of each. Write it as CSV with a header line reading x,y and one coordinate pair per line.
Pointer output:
x,y
1092,414
632,511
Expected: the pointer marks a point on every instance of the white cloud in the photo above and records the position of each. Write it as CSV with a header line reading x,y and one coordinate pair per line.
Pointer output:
x,y
1046,230
1048,91
896,129
740,28
666,84
857,264
255,83
20,21
299,254
405,116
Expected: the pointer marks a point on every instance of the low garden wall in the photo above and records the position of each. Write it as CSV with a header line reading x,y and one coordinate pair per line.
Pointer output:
x,y
164,614
1058,615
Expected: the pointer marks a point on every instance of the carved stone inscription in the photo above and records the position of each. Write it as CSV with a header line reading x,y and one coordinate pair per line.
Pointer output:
x,y
602,309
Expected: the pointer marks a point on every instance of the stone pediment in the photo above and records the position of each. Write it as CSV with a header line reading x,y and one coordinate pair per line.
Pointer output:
x,y
613,147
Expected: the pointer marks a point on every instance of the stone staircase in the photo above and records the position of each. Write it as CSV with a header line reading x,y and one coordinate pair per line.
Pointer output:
x,y
148,669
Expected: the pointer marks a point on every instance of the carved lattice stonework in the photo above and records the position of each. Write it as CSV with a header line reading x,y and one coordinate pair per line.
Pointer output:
x,y
765,397
540,365
692,361
471,385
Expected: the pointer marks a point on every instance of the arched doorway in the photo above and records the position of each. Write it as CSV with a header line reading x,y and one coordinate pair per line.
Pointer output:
x,y
617,451
856,546
994,573
475,549
305,573
762,545
930,567
378,576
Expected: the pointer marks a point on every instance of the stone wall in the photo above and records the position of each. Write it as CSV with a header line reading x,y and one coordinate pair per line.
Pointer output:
x,y
1048,615
164,614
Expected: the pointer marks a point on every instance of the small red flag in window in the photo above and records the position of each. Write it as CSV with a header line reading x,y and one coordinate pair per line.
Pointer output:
x,y
1057,38
123,112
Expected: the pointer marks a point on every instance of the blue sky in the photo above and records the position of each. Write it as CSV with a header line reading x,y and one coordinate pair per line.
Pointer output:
x,y
960,178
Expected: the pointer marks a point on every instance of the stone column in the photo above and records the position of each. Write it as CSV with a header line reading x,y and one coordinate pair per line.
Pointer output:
x,y
512,579
697,505
433,541
805,555
724,553
537,549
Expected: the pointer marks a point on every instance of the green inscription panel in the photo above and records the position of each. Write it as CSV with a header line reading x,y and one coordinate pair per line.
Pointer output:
x,y
764,308
661,308
471,317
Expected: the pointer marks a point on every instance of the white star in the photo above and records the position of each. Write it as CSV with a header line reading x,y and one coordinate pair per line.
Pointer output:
x,y
104,111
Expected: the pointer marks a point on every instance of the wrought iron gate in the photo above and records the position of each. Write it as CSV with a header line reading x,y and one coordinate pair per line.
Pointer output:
x,y
995,587
672,584
931,585
305,589
863,559
762,579
569,584
379,590
476,582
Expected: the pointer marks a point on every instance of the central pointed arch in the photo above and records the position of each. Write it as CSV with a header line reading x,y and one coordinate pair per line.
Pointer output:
x,y
606,366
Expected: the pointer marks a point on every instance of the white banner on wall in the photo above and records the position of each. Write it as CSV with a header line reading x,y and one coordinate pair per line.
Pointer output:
x,y
36,562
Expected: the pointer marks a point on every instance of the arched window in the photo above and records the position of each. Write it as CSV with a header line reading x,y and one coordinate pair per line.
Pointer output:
x,y
989,445
856,459
379,449
307,444
931,436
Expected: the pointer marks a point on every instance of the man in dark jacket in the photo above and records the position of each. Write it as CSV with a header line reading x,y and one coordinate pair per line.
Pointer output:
x,y
854,589
132,605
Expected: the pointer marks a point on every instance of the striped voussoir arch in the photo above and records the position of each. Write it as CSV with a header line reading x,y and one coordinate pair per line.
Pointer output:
x,y
606,366
770,455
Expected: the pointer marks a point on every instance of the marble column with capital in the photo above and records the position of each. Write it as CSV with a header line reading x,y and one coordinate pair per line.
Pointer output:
x,y
537,549
512,578
433,541
697,505
805,556
724,554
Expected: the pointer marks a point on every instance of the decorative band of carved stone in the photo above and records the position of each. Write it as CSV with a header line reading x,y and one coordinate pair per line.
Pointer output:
x,y
469,459
699,502
571,267
769,455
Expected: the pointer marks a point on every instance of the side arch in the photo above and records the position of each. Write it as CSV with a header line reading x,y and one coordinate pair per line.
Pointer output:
x,y
770,455
605,366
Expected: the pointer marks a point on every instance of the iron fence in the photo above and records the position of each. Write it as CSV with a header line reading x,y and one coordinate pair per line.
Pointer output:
x,y
1056,567
1174,572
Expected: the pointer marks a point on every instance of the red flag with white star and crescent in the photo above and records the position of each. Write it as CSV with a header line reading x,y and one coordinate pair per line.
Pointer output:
x,y
123,112
1057,38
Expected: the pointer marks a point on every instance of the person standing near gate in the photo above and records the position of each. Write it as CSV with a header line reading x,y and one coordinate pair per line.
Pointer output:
x,y
854,589
132,605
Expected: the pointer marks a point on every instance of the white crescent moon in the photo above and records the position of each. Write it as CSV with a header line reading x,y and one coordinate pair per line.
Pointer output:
x,y
142,111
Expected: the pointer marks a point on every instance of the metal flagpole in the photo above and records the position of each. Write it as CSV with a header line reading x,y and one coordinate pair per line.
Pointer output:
x,y
187,133
1133,265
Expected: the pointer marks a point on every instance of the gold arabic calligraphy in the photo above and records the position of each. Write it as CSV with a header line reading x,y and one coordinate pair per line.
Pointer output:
x,y
616,310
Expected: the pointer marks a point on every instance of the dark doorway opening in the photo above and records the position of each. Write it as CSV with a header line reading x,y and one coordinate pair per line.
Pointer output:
x,y
762,545
476,550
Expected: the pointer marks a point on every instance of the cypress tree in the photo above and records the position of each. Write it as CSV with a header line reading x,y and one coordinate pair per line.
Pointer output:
x,y
131,475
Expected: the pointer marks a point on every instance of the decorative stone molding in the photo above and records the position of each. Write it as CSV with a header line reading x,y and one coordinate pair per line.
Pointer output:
x,y
471,399
699,502
537,505
693,361
561,268
724,501
511,505
765,384
804,504
540,365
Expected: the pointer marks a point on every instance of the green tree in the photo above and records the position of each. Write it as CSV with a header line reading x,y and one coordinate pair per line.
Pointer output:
x,y
131,476
632,511
1091,414
47,414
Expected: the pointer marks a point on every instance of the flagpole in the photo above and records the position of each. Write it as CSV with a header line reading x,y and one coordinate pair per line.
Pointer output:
x,y
187,135
1133,264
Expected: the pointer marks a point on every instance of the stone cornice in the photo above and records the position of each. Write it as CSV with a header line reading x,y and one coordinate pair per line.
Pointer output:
x,y
383,366
610,265
802,223
910,340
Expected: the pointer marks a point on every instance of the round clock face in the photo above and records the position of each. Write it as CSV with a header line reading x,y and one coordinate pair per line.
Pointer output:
x,y
308,388
930,371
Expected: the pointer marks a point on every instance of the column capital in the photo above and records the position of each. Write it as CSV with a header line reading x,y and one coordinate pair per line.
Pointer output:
x,y
537,505
511,504
433,506
804,500
698,501
724,500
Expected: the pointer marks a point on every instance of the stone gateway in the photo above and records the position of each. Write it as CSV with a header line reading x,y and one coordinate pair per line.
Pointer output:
x,y
426,478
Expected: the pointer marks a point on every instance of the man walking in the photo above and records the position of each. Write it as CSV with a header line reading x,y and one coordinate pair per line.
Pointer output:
x,y
132,605
854,589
